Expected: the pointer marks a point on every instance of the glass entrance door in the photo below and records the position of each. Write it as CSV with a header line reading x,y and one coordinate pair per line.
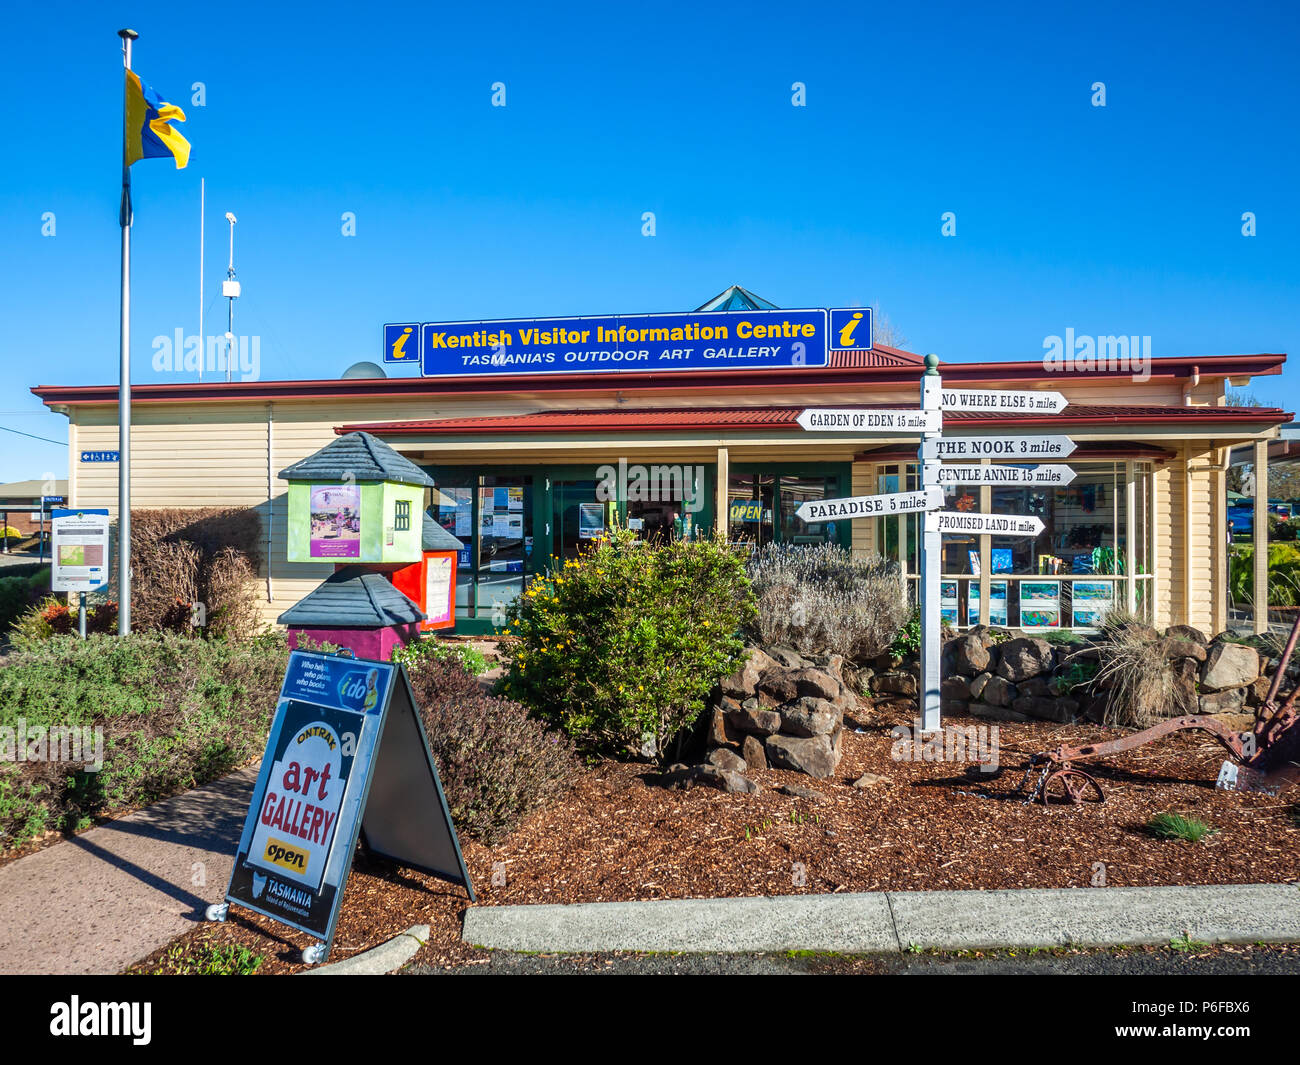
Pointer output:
x,y
578,516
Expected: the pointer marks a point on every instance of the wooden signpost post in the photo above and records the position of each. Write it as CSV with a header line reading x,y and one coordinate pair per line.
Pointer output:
x,y
934,448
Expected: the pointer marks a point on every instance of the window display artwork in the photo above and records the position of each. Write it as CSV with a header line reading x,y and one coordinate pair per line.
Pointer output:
x,y
335,521
1091,600
948,602
1040,604
997,603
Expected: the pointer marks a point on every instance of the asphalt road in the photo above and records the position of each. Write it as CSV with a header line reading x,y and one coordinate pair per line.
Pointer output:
x,y
1200,961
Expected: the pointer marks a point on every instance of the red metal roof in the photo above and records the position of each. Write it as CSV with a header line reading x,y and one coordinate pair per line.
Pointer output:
x,y
679,419
846,369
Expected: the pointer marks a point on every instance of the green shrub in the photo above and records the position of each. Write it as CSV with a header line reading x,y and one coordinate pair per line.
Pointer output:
x,y
174,713
622,646
1176,826
820,599
496,763
474,660
907,641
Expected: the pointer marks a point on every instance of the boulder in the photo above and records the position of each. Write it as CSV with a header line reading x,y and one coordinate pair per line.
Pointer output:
x,y
989,712
1228,701
1186,632
1173,647
1094,709
968,655
816,684
1024,658
978,683
761,722
953,707
723,779
1257,692
870,780
1229,665
809,717
999,691
955,688
725,759
741,684
776,685
753,753
788,657
721,732
797,791
1236,721
1036,686
1046,709
1186,674
817,755
895,683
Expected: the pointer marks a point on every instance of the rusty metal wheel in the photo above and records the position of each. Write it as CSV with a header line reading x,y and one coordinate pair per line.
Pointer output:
x,y
1070,785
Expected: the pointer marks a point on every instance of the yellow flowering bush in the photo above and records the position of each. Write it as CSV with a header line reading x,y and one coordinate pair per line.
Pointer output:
x,y
623,649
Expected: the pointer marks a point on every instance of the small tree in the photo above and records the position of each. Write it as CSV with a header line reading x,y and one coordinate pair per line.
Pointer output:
x,y
622,646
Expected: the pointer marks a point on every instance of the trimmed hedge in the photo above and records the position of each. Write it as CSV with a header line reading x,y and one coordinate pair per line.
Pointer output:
x,y
496,763
175,713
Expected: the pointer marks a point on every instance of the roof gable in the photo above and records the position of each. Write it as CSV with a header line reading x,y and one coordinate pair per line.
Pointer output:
x,y
358,456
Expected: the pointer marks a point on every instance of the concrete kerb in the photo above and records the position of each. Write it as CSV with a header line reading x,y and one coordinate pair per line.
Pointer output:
x,y
898,921
379,960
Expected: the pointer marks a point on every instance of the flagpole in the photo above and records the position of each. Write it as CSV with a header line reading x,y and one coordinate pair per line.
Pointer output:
x,y
124,387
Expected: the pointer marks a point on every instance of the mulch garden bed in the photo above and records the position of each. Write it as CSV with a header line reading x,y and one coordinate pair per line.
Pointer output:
x,y
926,826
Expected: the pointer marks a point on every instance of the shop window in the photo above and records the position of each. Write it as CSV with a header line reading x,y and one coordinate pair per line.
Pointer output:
x,y
763,507
492,518
1069,576
750,499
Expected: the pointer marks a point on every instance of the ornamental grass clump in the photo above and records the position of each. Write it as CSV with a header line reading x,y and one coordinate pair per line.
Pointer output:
x,y
821,599
621,646
1138,676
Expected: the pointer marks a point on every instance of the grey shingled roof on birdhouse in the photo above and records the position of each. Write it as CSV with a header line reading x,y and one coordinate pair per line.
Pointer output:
x,y
352,598
360,456
436,538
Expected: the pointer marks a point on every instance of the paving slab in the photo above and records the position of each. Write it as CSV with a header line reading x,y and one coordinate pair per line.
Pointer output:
x,y
1097,917
847,923
896,921
116,893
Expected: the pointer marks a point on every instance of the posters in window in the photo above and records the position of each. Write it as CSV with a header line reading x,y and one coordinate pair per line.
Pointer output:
x,y
1040,604
1091,600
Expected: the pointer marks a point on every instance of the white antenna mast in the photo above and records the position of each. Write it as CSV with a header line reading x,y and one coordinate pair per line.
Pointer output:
x,y
230,289
203,344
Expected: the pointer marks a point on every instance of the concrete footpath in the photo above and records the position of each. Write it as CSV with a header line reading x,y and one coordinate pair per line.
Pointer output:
x,y
115,894
898,920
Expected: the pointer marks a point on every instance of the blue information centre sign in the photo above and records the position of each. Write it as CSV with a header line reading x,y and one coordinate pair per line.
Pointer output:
x,y
636,343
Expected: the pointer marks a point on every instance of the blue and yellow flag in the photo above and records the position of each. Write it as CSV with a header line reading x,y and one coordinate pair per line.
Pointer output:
x,y
149,134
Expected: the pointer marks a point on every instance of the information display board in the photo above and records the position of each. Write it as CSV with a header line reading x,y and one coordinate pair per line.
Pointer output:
x,y
78,550
347,758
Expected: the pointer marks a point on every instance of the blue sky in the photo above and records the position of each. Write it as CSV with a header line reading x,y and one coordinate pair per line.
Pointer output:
x,y
1117,220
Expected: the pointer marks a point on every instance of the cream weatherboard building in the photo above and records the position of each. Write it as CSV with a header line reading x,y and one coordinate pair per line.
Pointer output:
x,y
521,462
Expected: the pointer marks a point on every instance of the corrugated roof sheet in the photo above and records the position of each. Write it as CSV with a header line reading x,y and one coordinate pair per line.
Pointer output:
x,y
352,598
681,419
360,456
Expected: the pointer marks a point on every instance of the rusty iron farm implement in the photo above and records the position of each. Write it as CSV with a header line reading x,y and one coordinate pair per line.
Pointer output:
x,y
1265,758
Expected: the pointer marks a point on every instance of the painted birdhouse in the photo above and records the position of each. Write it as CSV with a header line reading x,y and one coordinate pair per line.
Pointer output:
x,y
356,500
431,582
357,609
